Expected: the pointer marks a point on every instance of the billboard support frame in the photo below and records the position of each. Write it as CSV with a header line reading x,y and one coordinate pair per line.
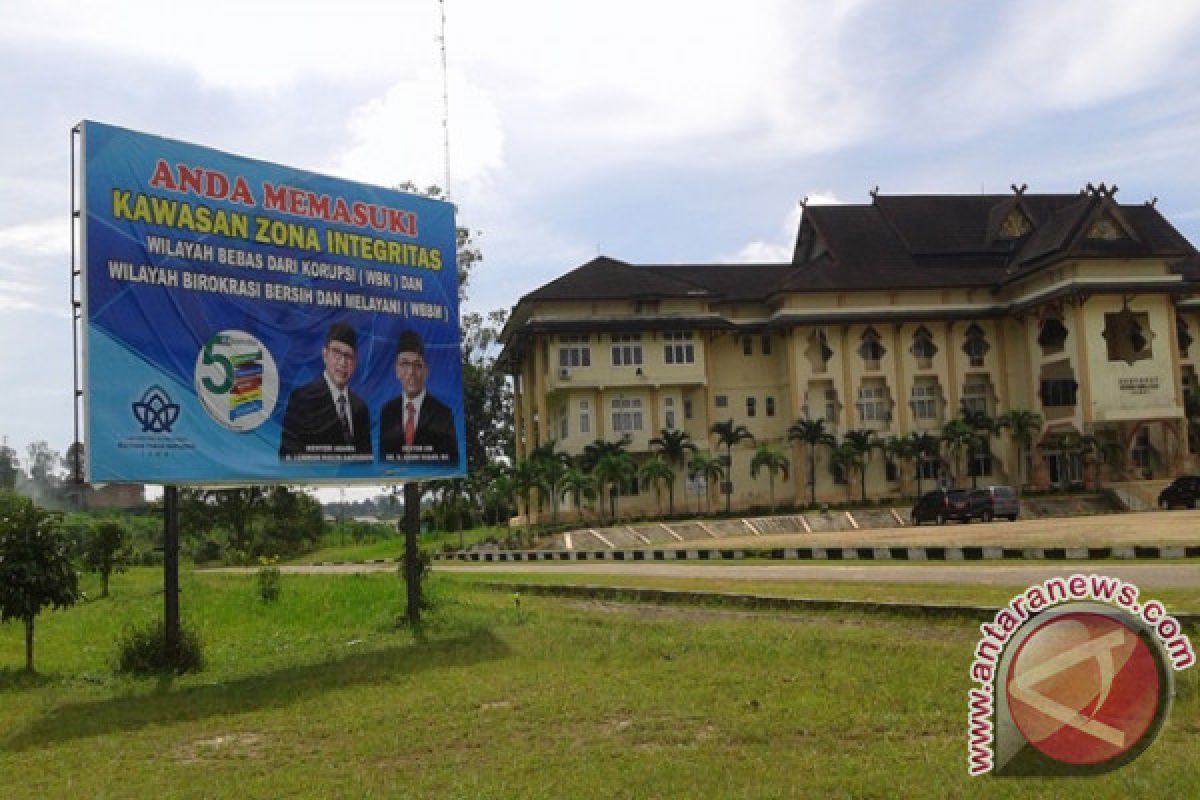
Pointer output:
x,y
77,309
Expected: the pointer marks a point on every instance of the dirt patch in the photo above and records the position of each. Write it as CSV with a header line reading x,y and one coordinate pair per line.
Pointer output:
x,y
224,746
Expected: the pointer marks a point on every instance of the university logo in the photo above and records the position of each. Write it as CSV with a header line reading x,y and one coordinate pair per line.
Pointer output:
x,y
1071,686
155,412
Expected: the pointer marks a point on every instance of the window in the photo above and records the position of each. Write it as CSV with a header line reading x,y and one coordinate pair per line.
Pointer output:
x,y
975,346
766,345
770,406
1058,392
669,413
981,464
687,408
721,401
678,347
923,348
930,468
873,403
925,397
747,346
976,392
1052,335
626,414
1128,336
626,349
831,406
1183,336
585,417
891,472
574,351
871,350
818,351
751,407
562,424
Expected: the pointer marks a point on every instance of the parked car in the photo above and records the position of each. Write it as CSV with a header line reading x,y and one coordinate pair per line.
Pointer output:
x,y
941,505
995,501
1183,492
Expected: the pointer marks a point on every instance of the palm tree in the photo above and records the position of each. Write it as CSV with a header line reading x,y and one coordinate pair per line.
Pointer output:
x,y
654,472
773,460
674,446
925,446
594,451
958,436
550,467
985,428
710,469
846,458
863,440
900,449
728,435
1023,425
524,479
580,485
612,469
812,432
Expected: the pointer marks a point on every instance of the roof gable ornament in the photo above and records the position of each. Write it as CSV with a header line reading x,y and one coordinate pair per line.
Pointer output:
x,y
1107,223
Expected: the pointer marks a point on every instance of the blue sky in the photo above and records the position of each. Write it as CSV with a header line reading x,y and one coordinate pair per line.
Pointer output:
x,y
653,132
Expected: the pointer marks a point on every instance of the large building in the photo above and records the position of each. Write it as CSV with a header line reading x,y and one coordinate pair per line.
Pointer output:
x,y
893,317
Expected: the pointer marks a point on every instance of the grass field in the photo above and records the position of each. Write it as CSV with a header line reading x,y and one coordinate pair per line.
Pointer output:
x,y
321,695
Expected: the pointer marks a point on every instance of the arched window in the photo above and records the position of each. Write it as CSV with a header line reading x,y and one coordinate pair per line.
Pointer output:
x,y
1052,335
975,345
1183,335
923,348
871,349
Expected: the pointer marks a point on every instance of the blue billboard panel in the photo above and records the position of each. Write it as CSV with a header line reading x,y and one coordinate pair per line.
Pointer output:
x,y
247,322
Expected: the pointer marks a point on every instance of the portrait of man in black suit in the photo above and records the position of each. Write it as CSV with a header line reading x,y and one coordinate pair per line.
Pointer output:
x,y
416,427
324,420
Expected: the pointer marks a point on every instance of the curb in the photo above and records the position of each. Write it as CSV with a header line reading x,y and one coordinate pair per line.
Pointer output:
x,y
756,602
969,553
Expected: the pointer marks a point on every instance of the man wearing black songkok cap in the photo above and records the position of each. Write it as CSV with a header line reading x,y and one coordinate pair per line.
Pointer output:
x,y
324,420
416,427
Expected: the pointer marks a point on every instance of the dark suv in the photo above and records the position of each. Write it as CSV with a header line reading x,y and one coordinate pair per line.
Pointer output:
x,y
1183,492
995,501
941,505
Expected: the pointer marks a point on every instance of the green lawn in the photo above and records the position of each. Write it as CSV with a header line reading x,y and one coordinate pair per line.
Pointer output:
x,y
320,695
932,592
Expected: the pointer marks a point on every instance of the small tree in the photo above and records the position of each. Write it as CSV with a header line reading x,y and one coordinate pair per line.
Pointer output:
x,y
35,565
104,549
772,460
703,465
729,434
653,474
812,432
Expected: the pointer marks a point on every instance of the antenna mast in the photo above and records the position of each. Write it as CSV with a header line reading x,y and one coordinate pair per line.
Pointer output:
x,y
445,100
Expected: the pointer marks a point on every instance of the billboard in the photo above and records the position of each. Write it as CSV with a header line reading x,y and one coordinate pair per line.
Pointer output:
x,y
247,322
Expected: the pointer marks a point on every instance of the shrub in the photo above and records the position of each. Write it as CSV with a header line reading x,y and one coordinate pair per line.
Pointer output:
x,y
269,581
143,651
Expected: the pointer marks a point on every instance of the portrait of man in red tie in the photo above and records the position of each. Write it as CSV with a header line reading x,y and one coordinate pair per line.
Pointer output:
x,y
324,420
416,426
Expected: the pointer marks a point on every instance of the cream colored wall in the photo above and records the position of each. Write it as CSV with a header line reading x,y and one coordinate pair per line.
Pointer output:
x,y
1014,364
1109,402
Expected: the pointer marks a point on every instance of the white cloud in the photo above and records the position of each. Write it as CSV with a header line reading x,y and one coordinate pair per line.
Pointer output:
x,y
1069,55
237,45
399,136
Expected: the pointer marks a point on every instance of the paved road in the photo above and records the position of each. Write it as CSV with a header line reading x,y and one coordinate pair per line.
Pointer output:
x,y
1160,576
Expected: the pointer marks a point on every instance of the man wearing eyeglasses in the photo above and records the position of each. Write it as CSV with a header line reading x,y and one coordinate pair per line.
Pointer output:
x,y
416,427
324,420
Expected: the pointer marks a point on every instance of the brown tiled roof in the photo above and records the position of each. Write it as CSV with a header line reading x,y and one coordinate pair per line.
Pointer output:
x,y
896,242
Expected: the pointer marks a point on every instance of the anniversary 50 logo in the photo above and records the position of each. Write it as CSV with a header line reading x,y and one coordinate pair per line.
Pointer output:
x,y
1076,678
